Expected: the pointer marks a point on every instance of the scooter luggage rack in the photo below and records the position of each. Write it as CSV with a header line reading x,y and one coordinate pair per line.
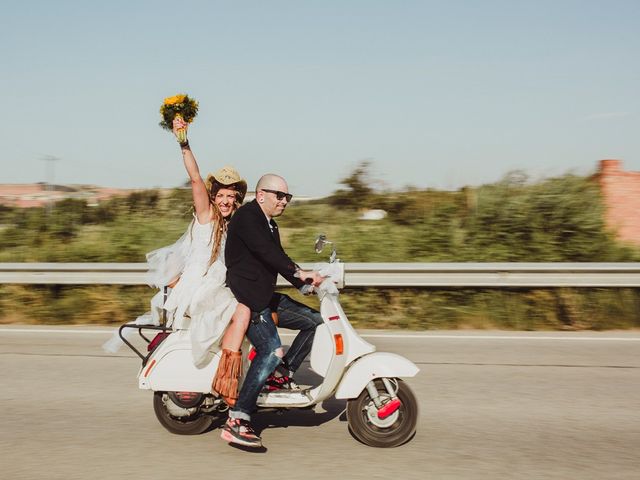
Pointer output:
x,y
162,328
144,358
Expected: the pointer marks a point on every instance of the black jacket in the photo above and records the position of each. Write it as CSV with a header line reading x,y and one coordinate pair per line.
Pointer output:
x,y
254,257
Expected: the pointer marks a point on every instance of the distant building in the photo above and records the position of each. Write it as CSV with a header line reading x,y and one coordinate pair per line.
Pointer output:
x,y
41,194
621,192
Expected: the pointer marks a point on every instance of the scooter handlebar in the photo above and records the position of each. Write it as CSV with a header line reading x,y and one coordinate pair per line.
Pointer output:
x,y
334,273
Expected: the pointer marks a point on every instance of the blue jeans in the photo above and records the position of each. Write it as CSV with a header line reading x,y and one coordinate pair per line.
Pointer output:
x,y
263,335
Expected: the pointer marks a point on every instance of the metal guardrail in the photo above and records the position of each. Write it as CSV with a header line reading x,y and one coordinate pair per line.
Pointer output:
x,y
515,275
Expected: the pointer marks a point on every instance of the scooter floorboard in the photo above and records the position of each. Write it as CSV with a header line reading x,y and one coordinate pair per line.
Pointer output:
x,y
285,398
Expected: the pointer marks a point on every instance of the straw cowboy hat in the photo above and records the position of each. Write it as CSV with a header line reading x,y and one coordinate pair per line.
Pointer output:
x,y
228,176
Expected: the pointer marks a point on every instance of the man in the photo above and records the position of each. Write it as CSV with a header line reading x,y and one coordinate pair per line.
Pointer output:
x,y
254,257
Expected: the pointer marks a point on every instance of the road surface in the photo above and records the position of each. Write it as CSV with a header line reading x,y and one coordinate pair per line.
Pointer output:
x,y
493,405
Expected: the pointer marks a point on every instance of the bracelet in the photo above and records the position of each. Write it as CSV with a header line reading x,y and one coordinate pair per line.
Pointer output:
x,y
184,144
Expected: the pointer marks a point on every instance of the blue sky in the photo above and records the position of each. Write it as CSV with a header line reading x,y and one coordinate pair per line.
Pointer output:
x,y
437,94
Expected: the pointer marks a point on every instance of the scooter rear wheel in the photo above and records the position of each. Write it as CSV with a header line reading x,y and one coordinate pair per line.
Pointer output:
x,y
188,425
392,431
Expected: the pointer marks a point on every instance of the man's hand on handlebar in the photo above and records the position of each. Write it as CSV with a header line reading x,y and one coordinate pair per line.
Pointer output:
x,y
311,277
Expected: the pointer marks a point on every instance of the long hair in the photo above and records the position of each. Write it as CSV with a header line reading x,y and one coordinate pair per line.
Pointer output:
x,y
219,222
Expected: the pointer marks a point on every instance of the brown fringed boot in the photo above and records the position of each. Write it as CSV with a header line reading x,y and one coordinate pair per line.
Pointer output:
x,y
227,376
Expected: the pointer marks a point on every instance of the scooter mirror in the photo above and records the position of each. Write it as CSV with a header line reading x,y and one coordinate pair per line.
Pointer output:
x,y
321,241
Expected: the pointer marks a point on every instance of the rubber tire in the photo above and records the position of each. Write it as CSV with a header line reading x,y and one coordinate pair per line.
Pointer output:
x,y
191,426
402,430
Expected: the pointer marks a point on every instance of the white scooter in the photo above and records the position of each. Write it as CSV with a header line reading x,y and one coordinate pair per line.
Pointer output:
x,y
382,411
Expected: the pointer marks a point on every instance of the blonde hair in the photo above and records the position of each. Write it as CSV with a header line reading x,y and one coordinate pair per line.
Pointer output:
x,y
217,232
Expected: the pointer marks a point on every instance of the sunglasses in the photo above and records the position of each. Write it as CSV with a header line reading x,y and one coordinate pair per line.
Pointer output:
x,y
279,195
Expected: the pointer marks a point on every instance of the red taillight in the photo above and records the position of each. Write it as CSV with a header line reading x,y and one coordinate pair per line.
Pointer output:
x,y
339,344
157,340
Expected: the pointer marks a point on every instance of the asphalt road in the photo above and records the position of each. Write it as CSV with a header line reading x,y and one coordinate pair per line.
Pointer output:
x,y
493,405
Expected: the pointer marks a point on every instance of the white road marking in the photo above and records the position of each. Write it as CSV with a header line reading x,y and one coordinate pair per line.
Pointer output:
x,y
505,337
419,336
51,330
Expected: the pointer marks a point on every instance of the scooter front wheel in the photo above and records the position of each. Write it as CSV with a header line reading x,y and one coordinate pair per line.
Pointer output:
x,y
186,424
390,431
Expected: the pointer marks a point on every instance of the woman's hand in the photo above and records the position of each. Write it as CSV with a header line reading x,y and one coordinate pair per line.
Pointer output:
x,y
179,124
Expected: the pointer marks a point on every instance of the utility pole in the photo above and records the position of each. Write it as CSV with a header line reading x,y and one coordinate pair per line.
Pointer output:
x,y
49,177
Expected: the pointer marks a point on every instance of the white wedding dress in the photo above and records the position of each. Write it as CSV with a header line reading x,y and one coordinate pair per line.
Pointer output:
x,y
200,301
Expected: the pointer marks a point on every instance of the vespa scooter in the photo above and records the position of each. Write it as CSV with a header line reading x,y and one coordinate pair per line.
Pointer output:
x,y
382,411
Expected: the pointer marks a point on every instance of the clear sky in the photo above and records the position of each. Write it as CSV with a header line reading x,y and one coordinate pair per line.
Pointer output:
x,y
436,94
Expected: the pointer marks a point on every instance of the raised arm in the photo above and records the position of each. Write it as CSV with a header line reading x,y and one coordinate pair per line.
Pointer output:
x,y
198,188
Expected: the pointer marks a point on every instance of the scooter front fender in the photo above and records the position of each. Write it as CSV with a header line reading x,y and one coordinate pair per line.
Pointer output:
x,y
371,366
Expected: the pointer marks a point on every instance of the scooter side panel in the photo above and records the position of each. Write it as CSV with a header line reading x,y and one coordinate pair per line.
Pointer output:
x,y
175,372
374,365
171,368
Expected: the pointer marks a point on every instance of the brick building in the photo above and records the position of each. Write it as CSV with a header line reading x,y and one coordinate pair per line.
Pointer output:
x,y
621,192
40,194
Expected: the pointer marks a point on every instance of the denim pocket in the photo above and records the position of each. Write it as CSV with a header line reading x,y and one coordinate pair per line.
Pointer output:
x,y
262,331
256,318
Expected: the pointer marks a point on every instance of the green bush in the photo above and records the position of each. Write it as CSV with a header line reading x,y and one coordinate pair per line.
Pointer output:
x,y
514,220
409,309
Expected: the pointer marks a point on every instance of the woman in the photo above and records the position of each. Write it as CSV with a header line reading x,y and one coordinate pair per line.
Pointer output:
x,y
199,290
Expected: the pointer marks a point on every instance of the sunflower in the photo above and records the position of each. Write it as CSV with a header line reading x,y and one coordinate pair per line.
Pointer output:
x,y
175,99
181,105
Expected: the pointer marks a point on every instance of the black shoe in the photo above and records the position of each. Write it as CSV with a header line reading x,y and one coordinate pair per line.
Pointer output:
x,y
237,430
280,383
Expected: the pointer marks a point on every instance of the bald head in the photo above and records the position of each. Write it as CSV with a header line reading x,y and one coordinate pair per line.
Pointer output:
x,y
273,182
268,189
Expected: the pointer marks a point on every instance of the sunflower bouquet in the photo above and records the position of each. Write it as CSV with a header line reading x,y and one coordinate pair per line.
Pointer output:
x,y
178,106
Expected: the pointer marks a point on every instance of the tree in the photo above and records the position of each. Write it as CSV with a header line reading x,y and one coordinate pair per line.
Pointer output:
x,y
358,192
